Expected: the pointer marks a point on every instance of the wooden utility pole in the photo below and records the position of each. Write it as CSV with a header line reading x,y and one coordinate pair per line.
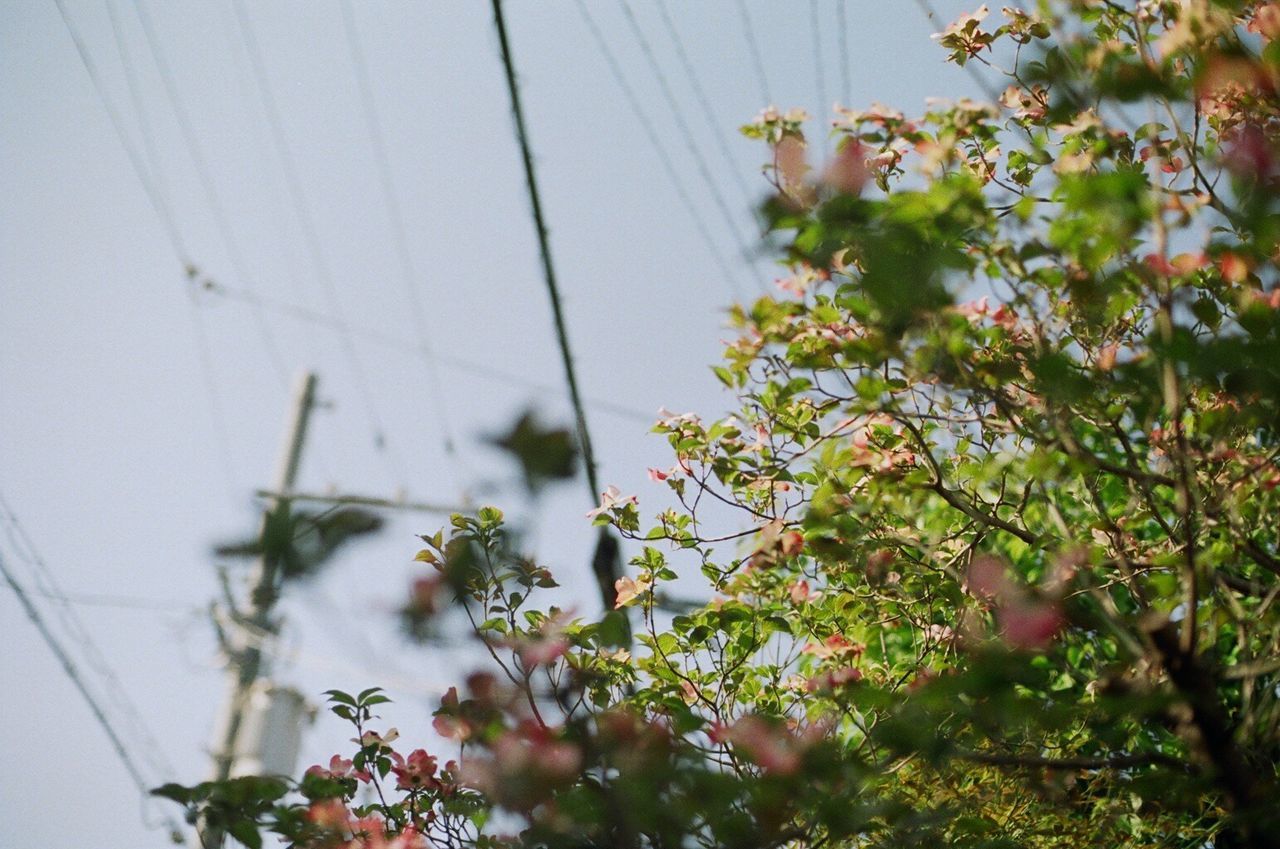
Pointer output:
x,y
246,657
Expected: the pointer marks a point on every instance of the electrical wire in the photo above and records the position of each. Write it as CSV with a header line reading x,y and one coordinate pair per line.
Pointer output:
x,y
686,132
408,270
191,139
846,63
664,157
47,586
705,106
119,602
316,318
544,251
306,219
162,210
73,672
152,187
155,173
156,178
75,629
218,413
203,348
757,61
819,64
606,563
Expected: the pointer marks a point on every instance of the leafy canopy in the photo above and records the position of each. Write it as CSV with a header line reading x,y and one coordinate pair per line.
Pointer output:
x,y
992,536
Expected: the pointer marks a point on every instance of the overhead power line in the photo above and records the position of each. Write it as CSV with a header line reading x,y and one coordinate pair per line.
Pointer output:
x,y
544,251
156,175
846,63
757,61
317,318
119,602
408,270
311,236
664,157
686,133
162,210
819,64
45,583
222,221
606,563
138,735
73,672
152,185
705,106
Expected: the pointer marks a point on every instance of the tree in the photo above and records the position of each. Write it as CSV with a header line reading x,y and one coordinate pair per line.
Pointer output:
x,y
993,535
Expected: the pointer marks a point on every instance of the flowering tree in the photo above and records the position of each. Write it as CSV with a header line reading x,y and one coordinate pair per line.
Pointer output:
x,y
992,538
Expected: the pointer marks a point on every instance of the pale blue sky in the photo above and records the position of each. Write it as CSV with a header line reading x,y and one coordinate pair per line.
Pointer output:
x,y
125,460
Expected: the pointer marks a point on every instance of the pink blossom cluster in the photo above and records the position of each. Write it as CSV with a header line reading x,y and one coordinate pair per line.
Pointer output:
x,y
1025,620
777,748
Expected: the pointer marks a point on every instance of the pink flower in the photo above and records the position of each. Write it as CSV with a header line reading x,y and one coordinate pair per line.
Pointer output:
x,y
848,172
940,633
414,772
1248,154
373,738
963,36
410,838
339,768
1024,620
791,543
837,645
876,113
329,814
973,310
1266,21
447,723
1005,317
964,23
987,579
1025,104
544,651
878,562
659,475
666,418
789,154
800,592
1234,268
424,595
609,499
558,760
833,680
769,746
627,590
525,765
1029,623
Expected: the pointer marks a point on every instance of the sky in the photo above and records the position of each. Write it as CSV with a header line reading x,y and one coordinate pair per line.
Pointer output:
x,y
361,214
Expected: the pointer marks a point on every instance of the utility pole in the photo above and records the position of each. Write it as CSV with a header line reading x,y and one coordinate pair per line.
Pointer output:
x,y
246,657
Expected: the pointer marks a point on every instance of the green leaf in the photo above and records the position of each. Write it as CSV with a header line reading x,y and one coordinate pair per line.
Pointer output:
x,y
245,831
341,697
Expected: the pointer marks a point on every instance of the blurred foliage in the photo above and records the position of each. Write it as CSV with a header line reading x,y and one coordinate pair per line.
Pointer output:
x,y
302,542
544,454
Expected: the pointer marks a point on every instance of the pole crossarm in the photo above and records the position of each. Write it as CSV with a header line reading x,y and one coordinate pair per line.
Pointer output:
x,y
363,501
